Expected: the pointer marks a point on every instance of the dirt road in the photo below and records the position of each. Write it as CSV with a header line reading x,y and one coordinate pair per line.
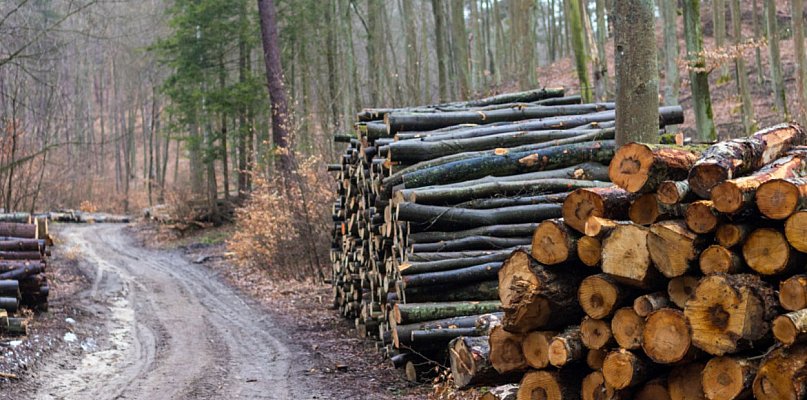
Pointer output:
x,y
173,331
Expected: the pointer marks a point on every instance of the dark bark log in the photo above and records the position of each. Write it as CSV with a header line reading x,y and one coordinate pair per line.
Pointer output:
x,y
476,291
475,273
459,218
416,312
472,243
504,231
453,195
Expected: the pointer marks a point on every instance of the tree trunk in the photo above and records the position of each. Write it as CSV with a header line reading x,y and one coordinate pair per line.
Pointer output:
x,y
636,72
439,39
698,76
574,18
741,73
775,59
669,14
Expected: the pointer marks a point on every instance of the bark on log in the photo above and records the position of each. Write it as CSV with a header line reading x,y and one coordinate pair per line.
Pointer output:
x,y
499,202
402,334
767,252
588,171
780,198
460,218
470,363
422,257
673,248
24,245
666,338
515,230
511,163
734,158
553,242
419,267
476,273
472,243
781,375
611,203
727,311
736,195
535,348
475,291
25,231
791,328
623,369
627,327
729,378
438,195
718,259
567,347
600,295
646,209
647,303
505,351
594,387
793,292
640,167
417,312
504,392
536,297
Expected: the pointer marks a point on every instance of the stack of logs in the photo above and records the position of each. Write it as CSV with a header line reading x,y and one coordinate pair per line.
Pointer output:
x,y
686,280
433,199
24,250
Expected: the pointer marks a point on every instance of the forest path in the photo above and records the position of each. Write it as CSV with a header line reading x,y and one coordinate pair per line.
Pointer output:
x,y
170,330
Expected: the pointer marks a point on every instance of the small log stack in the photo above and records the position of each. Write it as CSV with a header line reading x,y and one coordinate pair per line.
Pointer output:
x,y
688,280
431,202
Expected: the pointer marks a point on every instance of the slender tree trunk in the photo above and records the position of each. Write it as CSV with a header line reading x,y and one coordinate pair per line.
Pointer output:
x,y
478,46
719,23
671,79
801,59
277,93
439,39
604,91
574,19
749,121
698,76
459,34
757,37
636,72
777,81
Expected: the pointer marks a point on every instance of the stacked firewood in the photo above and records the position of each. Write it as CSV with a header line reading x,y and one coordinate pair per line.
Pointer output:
x,y
24,250
433,199
685,280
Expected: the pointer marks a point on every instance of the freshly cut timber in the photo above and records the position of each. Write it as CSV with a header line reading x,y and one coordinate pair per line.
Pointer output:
x,y
796,231
473,291
673,192
767,252
623,369
505,351
470,364
735,195
452,217
679,289
600,295
554,242
535,348
727,311
729,378
594,387
417,312
627,328
701,216
600,228
791,328
781,375
589,250
718,259
647,303
793,293
595,358
730,235
666,338
684,381
625,255
566,347
673,248
535,297
560,385
595,333
737,157
655,389
511,163
611,202
640,167
646,209
780,198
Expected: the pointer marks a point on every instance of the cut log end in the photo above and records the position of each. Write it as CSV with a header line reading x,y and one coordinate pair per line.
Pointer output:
x,y
598,295
793,293
672,192
767,252
728,378
589,250
679,289
595,333
730,235
627,327
778,199
728,197
718,259
701,216
703,177
631,166
644,210
666,338
796,231
623,369
535,348
552,243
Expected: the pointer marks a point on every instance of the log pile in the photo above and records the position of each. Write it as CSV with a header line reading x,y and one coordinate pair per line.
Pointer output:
x,y
431,202
685,281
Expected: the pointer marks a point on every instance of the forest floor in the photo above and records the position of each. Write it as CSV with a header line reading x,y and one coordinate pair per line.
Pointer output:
x,y
134,317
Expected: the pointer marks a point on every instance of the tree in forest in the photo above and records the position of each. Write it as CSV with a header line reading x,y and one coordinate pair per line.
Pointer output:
x,y
741,75
671,80
277,92
719,27
601,81
574,18
801,58
636,72
698,75
439,44
775,61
